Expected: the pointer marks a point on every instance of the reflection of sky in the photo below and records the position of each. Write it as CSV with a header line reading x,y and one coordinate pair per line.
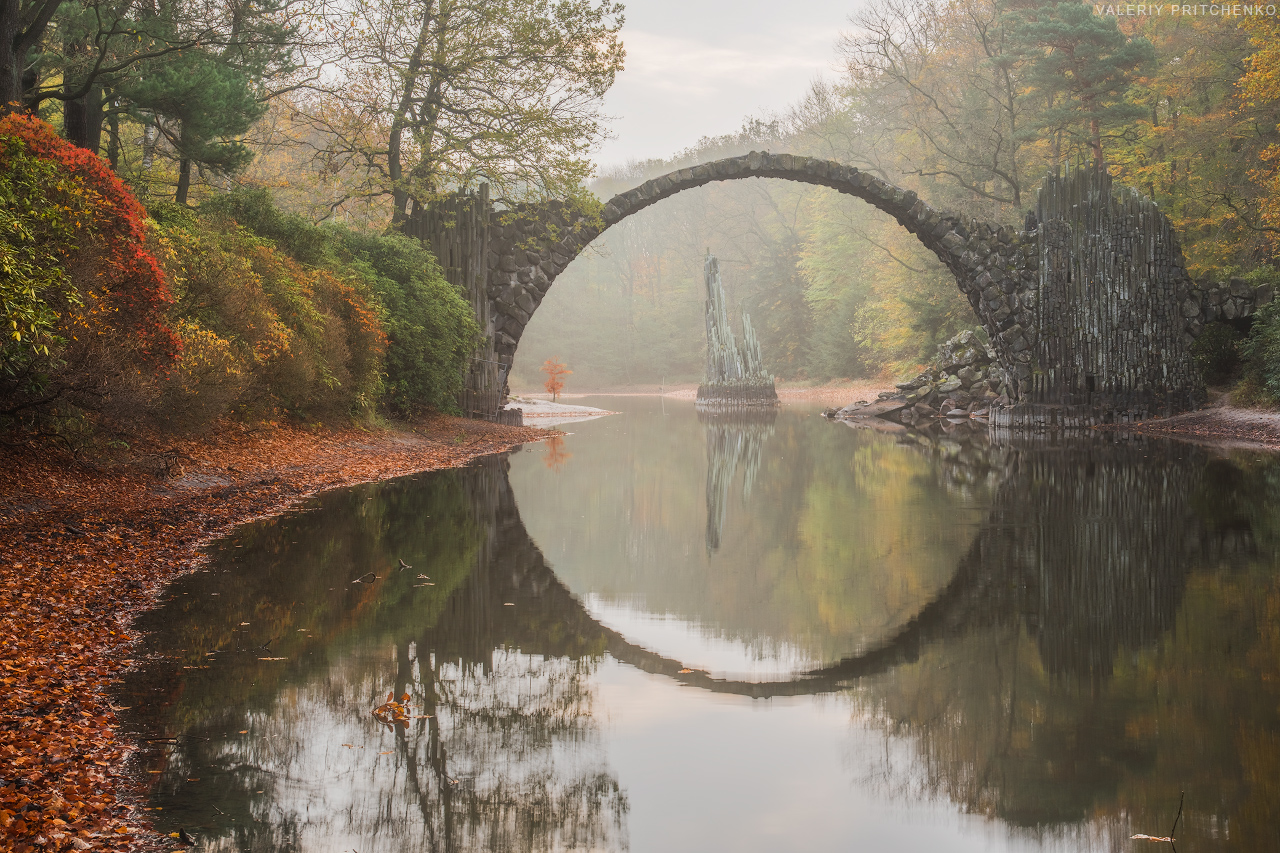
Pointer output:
x,y
699,646
342,780
709,772
699,771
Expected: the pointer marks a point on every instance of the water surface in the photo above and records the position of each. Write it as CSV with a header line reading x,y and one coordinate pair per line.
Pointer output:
x,y
665,633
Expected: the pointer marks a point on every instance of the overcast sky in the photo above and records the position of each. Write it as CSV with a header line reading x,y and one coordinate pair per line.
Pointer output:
x,y
696,68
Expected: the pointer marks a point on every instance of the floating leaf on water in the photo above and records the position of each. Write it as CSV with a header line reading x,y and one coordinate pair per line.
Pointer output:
x,y
683,671
271,659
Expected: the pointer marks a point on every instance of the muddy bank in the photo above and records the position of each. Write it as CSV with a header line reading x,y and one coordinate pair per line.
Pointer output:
x,y
87,546
1223,425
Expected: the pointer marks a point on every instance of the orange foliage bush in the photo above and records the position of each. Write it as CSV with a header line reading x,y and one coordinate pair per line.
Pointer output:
x,y
284,335
124,289
554,370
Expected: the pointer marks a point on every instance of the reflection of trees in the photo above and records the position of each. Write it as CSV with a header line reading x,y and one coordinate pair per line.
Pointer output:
x,y
1108,640
1107,683
509,756
734,438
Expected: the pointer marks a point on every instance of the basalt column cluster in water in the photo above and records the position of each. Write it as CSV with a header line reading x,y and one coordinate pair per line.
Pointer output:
x,y
735,374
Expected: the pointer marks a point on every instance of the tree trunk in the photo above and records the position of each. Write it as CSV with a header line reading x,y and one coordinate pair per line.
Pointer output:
x,y
11,65
17,81
1095,142
82,120
184,181
113,141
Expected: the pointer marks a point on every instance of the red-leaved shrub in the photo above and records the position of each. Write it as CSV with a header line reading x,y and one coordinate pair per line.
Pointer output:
x,y
122,286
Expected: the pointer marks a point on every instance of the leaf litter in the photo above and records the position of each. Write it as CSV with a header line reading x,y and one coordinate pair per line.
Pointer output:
x,y
89,545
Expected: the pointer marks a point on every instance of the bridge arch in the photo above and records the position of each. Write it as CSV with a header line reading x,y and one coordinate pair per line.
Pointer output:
x,y
529,246
1089,309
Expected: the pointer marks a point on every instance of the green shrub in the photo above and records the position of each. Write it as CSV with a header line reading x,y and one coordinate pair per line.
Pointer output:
x,y
1260,383
430,329
267,332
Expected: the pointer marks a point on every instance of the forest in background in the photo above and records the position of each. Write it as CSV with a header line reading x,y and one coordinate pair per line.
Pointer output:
x,y
969,103
296,135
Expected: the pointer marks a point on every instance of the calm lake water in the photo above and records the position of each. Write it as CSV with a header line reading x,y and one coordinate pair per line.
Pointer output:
x,y
670,633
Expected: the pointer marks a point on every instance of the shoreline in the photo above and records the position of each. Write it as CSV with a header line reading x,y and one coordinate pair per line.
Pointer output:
x,y
127,529
89,547
1220,425
841,393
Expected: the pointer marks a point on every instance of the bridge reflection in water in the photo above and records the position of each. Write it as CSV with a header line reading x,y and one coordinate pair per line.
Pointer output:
x,y
1080,568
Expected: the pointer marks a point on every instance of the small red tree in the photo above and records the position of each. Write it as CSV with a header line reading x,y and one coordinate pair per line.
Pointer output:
x,y
554,370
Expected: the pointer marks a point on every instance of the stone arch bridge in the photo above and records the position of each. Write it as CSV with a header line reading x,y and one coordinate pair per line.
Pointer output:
x,y
1088,305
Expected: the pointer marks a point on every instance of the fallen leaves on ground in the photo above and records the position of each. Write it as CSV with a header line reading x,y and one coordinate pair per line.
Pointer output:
x,y
88,546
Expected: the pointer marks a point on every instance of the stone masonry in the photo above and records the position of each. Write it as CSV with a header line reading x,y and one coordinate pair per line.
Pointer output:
x,y
1093,287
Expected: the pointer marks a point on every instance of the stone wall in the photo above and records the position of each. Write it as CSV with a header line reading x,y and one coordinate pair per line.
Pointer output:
x,y
1112,283
1232,301
457,231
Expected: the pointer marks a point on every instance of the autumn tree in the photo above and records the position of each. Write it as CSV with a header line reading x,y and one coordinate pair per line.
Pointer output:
x,y
1078,68
1260,86
448,93
940,77
554,370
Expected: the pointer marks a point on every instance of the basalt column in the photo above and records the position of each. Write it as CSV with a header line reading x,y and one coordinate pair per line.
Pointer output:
x,y
735,375
456,229
1112,283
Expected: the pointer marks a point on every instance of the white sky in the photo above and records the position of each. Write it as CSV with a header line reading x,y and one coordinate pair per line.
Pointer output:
x,y
697,68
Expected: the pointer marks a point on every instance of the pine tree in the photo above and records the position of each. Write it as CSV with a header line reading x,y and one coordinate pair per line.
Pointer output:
x,y
201,103
1077,66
